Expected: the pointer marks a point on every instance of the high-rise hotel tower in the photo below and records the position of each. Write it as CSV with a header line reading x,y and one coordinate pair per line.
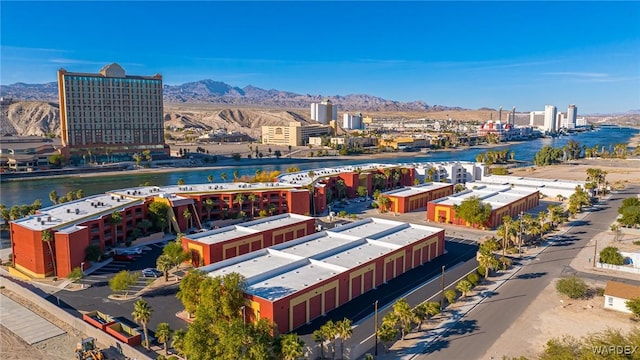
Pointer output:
x,y
111,114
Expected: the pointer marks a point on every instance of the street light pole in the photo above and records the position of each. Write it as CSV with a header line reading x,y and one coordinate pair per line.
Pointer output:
x,y
520,237
442,293
375,327
595,252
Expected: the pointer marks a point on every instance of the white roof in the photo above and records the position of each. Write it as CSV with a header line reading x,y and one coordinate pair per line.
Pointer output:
x,y
495,195
532,182
251,227
74,212
416,190
284,269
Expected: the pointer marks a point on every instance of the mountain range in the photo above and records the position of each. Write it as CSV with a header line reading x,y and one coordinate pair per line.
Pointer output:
x,y
217,92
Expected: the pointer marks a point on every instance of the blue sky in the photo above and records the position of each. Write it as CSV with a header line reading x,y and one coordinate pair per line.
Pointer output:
x,y
468,54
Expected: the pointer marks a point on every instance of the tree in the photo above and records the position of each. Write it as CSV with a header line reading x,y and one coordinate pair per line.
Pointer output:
x,y
473,211
142,314
573,287
180,182
611,255
252,198
331,333
345,331
630,211
387,332
451,296
432,308
175,252
405,316
319,337
239,199
145,224
53,196
278,154
187,216
158,212
598,178
79,194
163,334
223,176
291,346
634,306
92,253
48,238
178,341
164,264
122,281
116,219
190,290
464,286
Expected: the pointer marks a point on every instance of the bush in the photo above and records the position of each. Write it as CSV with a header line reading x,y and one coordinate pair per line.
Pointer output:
x,y
611,255
473,278
75,274
451,296
600,291
573,287
92,253
505,262
636,242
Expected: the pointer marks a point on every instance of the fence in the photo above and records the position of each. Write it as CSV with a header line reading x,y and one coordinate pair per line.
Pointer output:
x,y
622,268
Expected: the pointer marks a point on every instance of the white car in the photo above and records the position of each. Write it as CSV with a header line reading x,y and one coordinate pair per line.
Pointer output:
x,y
131,251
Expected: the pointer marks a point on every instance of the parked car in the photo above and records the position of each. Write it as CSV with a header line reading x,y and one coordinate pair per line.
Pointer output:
x,y
131,251
150,272
123,257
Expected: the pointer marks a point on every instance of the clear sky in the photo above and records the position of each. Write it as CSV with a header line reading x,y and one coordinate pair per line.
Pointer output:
x,y
468,54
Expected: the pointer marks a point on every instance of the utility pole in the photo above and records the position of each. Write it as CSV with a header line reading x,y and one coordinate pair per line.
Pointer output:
x,y
442,293
595,249
375,327
520,237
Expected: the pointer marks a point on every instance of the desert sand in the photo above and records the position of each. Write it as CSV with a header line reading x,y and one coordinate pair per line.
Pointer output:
x,y
624,171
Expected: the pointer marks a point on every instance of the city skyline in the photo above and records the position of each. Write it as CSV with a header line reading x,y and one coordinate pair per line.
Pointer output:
x,y
523,54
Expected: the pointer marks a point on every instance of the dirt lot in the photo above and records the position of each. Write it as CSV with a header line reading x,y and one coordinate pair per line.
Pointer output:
x,y
626,171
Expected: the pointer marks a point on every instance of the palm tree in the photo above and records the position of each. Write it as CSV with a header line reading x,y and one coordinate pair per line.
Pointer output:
x,y
53,196
252,198
48,237
141,314
404,315
145,224
187,216
240,200
164,264
208,205
235,175
180,181
116,219
488,262
292,347
163,334
223,176
178,341
210,178
345,331
319,337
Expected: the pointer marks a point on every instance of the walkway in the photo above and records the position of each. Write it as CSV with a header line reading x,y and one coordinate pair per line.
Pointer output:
x,y
26,324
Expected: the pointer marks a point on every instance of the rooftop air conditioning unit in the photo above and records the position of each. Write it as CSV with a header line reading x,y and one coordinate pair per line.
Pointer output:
x,y
49,218
39,219
77,211
41,222
68,211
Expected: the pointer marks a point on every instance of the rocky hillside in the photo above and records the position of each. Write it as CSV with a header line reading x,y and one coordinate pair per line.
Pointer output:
x,y
42,118
216,92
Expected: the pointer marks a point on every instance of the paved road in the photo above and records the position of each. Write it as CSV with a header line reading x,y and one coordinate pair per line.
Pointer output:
x,y
474,335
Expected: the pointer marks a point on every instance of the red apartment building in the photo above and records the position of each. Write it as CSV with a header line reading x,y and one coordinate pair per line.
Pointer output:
x,y
412,198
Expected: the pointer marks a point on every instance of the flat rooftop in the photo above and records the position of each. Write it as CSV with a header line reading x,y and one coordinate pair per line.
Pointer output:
x,y
287,268
247,228
496,195
529,181
70,213
416,190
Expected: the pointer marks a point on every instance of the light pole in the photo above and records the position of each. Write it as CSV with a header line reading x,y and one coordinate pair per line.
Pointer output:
x,y
520,236
244,321
375,327
82,267
442,293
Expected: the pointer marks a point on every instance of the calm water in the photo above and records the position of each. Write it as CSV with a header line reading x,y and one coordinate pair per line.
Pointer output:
x,y
26,191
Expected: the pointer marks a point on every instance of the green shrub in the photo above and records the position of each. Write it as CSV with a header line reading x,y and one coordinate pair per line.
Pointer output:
x,y
600,291
75,274
611,255
505,263
636,242
92,253
473,278
451,296
573,287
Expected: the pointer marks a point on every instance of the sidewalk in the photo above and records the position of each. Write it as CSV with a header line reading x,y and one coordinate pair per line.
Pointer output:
x,y
417,342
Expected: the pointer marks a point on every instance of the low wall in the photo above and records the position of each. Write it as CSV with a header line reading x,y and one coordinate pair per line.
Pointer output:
x,y
622,268
74,322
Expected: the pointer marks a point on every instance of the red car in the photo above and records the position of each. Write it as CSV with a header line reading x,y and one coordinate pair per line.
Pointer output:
x,y
123,257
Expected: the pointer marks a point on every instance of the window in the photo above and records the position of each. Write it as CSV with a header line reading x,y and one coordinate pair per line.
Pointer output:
x,y
610,300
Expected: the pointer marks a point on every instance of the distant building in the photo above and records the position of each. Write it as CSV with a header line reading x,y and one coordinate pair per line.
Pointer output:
x,y
536,119
550,115
111,114
570,122
27,153
352,122
295,134
324,112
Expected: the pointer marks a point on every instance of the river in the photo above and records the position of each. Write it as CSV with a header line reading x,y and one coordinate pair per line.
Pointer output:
x,y
25,191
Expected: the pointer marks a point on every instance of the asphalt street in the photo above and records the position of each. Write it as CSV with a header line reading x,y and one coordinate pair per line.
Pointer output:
x,y
475,333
